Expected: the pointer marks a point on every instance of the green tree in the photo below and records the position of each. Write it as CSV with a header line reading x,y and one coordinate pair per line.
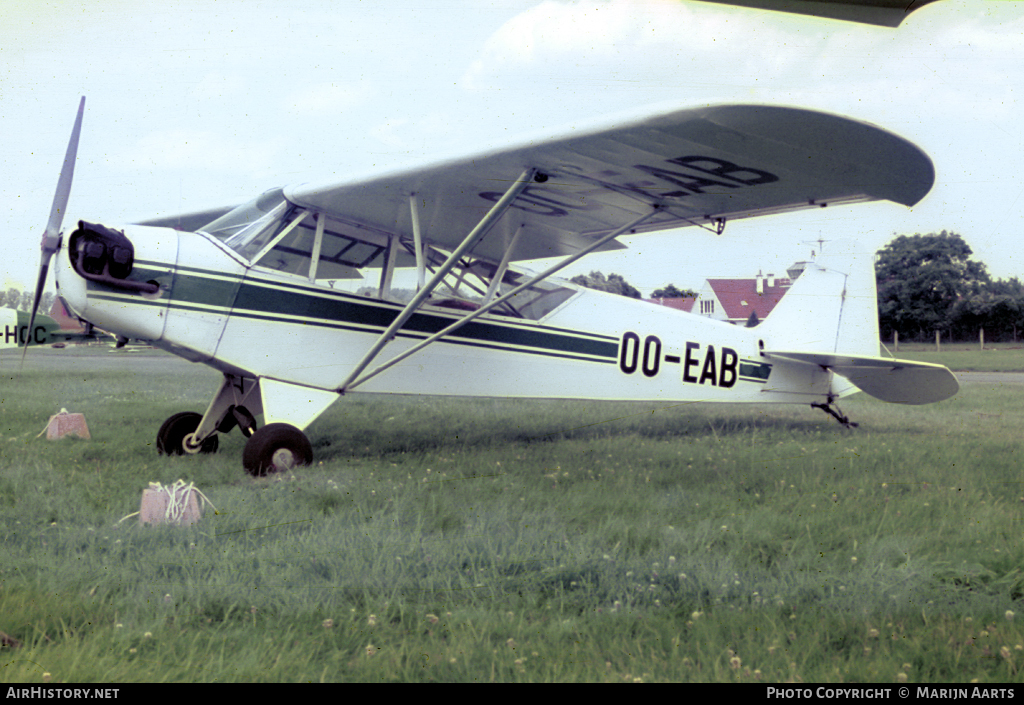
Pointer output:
x,y
921,278
673,292
613,283
998,309
46,303
12,298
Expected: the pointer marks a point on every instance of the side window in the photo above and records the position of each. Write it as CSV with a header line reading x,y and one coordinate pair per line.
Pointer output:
x,y
341,254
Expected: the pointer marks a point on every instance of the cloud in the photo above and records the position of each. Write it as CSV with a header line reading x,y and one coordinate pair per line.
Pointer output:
x,y
558,31
176,149
325,99
617,53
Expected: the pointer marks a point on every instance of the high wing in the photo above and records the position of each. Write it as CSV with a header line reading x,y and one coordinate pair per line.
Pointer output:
x,y
697,167
887,13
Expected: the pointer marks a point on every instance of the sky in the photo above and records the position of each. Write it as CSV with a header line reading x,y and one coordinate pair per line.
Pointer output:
x,y
193,104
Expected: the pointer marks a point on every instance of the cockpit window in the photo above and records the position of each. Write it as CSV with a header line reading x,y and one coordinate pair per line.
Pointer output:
x,y
469,286
341,255
269,232
252,227
235,221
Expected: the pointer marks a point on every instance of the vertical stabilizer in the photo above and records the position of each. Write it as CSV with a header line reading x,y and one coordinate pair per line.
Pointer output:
x,y
832,307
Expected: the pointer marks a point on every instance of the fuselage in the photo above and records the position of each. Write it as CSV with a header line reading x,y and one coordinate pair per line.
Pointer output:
x,y
210,306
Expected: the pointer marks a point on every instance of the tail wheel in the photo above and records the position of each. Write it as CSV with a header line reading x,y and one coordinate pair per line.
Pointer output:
x,y
275,447
175,436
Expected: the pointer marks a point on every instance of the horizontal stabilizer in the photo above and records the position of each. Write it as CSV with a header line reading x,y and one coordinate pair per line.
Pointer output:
x,y
888,379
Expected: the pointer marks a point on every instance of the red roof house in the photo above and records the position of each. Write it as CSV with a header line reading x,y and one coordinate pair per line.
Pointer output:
x,y
734,300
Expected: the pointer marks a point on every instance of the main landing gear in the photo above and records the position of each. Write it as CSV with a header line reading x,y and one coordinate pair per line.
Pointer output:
x,y
274,447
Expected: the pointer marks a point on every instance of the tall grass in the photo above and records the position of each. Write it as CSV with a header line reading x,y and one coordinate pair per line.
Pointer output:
x,y
463,540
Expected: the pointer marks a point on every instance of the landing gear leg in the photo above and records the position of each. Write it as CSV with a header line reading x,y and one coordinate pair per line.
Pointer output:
x,y
832,409
234,405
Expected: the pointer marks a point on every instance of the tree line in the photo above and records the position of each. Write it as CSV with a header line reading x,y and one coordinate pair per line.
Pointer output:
x,y
21,300
617,284
929,283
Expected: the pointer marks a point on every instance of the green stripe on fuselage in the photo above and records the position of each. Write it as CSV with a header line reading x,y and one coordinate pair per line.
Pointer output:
x,y
204,291
262,299
282,301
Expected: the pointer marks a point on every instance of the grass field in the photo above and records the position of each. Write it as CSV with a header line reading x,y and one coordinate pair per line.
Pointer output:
x,y
995,357
469,540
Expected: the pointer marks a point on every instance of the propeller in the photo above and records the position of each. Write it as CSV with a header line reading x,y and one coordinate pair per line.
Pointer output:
x,y
51,236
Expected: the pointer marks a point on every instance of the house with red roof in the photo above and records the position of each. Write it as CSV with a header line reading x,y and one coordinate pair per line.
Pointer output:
x,y
734,300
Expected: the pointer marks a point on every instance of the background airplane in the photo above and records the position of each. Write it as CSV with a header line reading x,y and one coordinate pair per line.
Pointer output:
x,y
18,329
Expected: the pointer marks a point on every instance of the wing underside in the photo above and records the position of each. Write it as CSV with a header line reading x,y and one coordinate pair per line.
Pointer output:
x,y
701,166
886,13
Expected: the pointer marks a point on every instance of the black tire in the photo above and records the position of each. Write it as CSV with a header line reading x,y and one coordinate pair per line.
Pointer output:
x,y
276,446
170,439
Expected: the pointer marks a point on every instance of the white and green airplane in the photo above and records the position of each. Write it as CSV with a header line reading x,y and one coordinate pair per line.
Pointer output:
x,y
407,282
18,329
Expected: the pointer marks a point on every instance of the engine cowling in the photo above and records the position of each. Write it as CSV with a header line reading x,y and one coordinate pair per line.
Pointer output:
x,y
105,255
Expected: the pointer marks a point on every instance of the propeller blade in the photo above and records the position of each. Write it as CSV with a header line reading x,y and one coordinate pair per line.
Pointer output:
x,y
67,172
44,268
51,236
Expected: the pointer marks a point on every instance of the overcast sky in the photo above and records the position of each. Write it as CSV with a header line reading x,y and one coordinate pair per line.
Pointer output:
x,y
199,103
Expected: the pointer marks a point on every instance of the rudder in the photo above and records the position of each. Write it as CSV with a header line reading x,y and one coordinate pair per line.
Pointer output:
x,y
832,307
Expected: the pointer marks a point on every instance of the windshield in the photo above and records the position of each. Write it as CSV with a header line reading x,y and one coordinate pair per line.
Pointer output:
x,y
241,226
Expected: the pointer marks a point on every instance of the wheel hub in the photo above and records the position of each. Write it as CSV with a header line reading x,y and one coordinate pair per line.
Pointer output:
x,y
283,459
190,445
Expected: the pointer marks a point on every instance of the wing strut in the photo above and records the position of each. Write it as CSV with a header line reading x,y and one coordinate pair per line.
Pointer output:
x,y
417,242
318,241
499,273
470,241
349,385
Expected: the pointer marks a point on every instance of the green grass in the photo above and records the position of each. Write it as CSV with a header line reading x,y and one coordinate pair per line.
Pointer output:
x,y
995,357
479,540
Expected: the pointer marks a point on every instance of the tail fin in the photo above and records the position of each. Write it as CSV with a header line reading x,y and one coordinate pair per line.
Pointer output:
x,y
832,307
829,318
